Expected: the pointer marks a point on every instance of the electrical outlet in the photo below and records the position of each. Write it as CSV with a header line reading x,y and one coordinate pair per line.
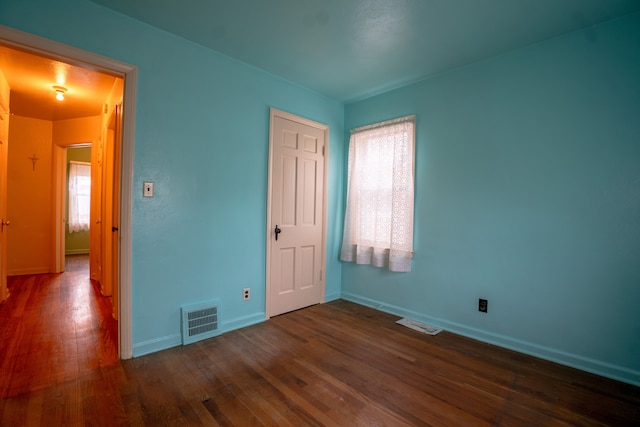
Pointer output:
x,y
483,305
246,294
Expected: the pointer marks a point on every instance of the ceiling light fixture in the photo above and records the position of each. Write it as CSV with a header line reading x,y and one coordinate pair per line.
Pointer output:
x,y
60,92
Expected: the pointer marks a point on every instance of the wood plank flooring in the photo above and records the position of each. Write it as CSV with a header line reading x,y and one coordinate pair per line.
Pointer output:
x,y
336,364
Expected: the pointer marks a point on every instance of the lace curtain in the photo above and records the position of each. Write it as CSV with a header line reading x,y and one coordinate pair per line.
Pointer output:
x,y
378,228
79,196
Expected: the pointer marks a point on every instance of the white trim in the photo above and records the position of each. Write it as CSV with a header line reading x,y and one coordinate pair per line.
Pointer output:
x,y
273,113
60,200
41,46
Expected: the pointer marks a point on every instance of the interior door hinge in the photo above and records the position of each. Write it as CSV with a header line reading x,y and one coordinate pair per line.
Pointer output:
x,y
323,150
320,274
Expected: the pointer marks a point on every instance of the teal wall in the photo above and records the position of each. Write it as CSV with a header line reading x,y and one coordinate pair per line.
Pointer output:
x,y
76,242
527,194
202,123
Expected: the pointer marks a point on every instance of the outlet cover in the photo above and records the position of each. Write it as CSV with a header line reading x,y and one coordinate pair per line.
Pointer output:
x,y
147,189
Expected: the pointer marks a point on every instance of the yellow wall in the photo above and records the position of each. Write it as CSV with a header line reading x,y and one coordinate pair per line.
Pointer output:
x,y
4,92
29,196
75,131
30,192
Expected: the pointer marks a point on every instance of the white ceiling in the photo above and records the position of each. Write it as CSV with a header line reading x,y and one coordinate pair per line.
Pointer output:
x,y
31,79
350,49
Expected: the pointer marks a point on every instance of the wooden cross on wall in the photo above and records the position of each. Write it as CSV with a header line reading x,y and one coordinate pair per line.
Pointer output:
x,y
33,159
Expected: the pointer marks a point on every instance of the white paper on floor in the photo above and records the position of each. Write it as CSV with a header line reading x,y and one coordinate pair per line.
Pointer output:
x,y
418,326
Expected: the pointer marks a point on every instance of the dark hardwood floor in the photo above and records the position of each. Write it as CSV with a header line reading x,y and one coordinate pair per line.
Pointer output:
x,y
337,364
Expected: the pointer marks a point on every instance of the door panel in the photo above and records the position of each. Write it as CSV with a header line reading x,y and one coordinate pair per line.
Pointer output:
x,y
288,192
296,202
308,258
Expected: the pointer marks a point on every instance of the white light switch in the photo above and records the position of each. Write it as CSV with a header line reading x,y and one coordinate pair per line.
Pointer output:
x,y
147,189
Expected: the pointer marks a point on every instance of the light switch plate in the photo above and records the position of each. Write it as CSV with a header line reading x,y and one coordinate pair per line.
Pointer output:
x,y
147,189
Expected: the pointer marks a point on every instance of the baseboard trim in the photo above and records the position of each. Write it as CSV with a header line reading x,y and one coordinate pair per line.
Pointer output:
x,y
243,322
615,372
25,271
157,344
169,341
77,252
332,297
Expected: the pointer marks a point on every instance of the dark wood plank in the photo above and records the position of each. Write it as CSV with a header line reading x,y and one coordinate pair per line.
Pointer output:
x,y
334,364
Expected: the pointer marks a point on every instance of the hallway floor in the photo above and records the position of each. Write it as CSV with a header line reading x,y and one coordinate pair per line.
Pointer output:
x,y
55,328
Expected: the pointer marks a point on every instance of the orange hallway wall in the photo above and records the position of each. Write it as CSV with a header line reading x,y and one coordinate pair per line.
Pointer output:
x,y
30,193
75,131
29,196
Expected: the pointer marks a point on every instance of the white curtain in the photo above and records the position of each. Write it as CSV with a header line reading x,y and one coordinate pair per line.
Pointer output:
x,y
378,228
79,196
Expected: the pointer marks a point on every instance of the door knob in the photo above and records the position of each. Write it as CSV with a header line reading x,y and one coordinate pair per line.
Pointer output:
x,y
114,229
8,223
277,231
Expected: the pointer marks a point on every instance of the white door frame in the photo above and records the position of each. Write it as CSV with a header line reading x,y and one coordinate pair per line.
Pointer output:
x,y
59,199
44,47
60,185
278,113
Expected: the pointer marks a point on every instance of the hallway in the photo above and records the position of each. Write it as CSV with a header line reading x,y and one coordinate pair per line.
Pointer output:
x,y
55,328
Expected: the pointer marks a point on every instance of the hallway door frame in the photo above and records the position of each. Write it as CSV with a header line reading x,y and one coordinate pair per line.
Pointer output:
x,y
60,185
64,53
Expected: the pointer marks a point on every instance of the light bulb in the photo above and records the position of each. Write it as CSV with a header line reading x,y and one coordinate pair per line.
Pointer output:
x,y
60,92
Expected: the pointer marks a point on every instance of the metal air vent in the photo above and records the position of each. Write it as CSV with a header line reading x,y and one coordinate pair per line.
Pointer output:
x,y
200,321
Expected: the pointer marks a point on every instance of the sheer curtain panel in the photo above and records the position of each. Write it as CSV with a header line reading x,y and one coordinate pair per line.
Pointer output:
x,y
79,196
378,228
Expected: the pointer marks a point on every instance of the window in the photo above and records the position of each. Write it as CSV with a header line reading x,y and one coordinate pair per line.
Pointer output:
x,y
378,228
79,196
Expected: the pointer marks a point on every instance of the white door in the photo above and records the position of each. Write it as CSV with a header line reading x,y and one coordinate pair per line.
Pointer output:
x,y
4,222
296,235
